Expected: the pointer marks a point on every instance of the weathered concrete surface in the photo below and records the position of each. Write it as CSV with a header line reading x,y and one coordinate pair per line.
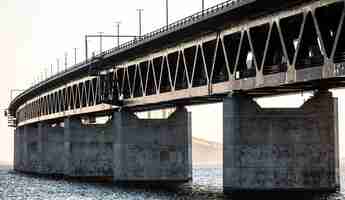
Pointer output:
x,y
39,149
153,149
72,150
52,146
18,162
125,148
90,149
281,149
27,156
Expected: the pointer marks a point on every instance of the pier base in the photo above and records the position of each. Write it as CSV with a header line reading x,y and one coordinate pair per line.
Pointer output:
x,y
125,148
153,149
281,149
88,149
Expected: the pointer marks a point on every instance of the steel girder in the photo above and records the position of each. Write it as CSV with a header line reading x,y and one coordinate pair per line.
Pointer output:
x,y
299,45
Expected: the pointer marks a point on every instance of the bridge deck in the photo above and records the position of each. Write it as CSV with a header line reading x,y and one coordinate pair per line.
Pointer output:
x,y
269,51
200,23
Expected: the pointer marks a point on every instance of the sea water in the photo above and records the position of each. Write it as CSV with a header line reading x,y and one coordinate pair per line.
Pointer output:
x,y
207,184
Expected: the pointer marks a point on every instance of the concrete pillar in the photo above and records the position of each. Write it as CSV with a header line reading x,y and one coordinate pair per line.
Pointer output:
x,y
16,155
27,156
31,154
25,151
19,149
152,149
41,147
67,146
38,149
88,149
44,147
125,148
280,149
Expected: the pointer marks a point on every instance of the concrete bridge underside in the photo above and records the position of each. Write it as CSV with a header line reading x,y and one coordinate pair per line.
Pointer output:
x,y
264,149
125,148
271,51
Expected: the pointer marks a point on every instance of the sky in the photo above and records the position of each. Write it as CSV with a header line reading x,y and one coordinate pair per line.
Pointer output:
x,y
35,33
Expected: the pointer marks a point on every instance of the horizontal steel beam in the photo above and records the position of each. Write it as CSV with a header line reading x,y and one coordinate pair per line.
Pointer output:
x,y
284,51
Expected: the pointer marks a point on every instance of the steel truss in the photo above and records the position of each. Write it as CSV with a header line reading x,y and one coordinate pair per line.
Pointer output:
x,y
305,43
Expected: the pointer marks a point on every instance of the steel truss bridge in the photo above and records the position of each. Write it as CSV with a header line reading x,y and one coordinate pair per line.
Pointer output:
x,y
254,46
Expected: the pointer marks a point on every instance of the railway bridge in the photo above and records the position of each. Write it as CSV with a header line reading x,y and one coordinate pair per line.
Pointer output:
x,y
232,53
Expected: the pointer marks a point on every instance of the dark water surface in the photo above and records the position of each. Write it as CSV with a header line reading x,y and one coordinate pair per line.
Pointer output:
x,y
207,184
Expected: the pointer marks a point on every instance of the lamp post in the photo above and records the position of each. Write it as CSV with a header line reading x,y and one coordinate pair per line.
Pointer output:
x,y
75,56
66,60
167,11
57,65
100,35
140,12
100,42
46,72
203,6
86,48
118,32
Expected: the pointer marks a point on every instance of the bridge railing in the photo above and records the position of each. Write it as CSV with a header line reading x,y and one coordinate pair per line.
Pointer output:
x,y
173,26
187,20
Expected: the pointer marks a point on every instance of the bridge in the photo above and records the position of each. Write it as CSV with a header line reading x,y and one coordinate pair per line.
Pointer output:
x,y
231,53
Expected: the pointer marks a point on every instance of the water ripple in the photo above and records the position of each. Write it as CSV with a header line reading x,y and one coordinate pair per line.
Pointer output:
x,y
207,184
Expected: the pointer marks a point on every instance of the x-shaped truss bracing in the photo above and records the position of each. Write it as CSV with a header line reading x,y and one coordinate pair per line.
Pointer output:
x,y
298,45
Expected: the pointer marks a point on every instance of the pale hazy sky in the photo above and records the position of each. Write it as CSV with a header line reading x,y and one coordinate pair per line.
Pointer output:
x,y
33,34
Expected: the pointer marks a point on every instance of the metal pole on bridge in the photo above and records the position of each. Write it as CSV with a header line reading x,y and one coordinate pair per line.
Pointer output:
x,y
46,72
140,12
57,65
203,6
167,11
118,32
86,48
66,60
75,56
100,42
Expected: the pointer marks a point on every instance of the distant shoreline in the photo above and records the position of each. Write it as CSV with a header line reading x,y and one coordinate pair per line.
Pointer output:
x,y
216,165
6,166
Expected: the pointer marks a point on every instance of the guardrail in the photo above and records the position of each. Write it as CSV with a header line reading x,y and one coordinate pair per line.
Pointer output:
x,y
173,26
187,20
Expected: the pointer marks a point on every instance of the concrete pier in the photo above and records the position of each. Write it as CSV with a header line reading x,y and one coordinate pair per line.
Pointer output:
x,y
281,149
153,149
88,149
125,148
53,153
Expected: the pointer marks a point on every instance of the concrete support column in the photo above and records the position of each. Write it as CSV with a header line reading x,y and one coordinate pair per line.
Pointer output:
x,y
88,149
280,149
119,165
19,149
52,137
31,153
41,147
126,148
67,146
152,149
25,151
16,155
